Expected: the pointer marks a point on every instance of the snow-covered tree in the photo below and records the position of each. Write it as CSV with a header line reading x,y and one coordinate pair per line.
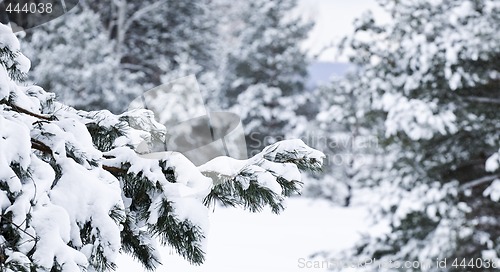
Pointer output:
x,y
74,58
265,68
171,39
433,71
74,192
350,135
130,43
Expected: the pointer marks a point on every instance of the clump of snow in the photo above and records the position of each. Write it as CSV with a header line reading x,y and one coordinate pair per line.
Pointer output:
x,y
416,118
194,211
5,89
14,143
493,191
263,165
23,63
493,162
226,166
52,225
88,199
8,39
295,148
188,174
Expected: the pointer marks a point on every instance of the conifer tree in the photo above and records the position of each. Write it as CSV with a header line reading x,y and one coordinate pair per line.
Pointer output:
x,y
74,58
432,77
138,43
74,192
266,69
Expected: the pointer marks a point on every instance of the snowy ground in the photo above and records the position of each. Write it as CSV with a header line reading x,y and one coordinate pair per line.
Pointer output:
x,y
264,242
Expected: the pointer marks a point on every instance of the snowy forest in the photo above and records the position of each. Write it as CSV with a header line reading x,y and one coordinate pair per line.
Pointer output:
x,y
127,127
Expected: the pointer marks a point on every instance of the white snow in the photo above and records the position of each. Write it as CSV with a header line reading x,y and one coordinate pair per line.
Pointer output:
x,y
224,165
493,191
415,117
8,39
87,198
14,143
189,175
248,242
493,162
262,166
302,150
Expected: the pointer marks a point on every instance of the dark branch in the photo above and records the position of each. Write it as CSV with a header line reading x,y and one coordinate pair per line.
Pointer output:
x,y
35,144
483,99
113,170
25,111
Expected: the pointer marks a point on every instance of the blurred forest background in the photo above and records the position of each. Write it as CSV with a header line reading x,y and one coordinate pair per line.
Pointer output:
x,y
410,125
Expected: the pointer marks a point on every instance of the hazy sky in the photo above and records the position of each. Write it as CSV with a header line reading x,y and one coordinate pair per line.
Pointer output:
x,y
333,19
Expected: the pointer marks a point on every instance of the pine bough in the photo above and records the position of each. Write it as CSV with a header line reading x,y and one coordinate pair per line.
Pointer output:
x,y
74,193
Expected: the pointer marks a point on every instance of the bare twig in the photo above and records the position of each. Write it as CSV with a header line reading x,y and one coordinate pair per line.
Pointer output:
x,y
479,99
476,182
18,227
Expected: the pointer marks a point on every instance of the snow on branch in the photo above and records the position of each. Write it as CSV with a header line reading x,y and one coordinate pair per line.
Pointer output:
x,y
74,190
264,179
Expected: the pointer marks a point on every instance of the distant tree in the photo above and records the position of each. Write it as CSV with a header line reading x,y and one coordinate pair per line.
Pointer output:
x,y
266,67
171,39
141,44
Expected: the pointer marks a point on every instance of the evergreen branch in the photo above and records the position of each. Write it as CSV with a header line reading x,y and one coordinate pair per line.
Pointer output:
x,y
303,163
104,137
289,187
243,187
132,244
219,193
254,196
184,236
18,227
11,68
38,145
25,111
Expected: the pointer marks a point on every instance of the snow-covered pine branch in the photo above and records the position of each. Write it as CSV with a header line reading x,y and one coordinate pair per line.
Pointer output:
x,y
74,193
264,179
